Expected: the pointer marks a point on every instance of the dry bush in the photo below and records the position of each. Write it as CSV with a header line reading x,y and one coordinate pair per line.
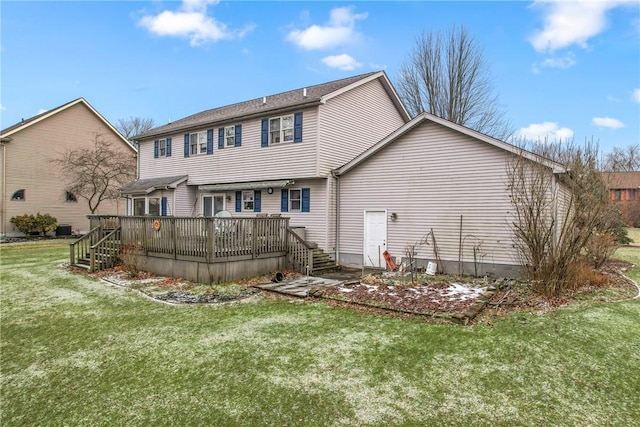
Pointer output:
x,y
600,248
582,274
558,209
130,257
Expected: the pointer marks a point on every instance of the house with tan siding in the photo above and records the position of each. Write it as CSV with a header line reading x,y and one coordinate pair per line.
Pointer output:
x,y
272,155
437,189
31,183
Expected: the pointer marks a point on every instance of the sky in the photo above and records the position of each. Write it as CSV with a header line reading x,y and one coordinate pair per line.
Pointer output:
x,y
563,71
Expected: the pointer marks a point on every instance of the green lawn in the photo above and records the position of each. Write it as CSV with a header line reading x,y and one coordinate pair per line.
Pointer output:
x,y
78,352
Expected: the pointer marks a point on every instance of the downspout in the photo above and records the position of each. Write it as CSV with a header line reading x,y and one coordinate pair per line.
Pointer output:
x,y
555,195
337,207
3,229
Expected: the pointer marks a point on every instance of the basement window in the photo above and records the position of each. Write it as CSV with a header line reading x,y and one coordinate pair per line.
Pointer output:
x,y
18,195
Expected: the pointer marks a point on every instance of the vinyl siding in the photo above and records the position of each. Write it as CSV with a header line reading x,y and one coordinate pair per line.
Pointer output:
x,y
314,221
431,177
249,162
352,122
185,200
28,166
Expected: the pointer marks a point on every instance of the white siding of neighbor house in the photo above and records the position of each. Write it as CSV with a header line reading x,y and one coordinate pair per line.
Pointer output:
x,y
249,162
352,122
29,167
430,177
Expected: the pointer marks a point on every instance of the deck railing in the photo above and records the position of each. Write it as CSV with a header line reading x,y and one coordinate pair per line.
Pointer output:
x,y
300,253
105,253
81,248
198,239
210,239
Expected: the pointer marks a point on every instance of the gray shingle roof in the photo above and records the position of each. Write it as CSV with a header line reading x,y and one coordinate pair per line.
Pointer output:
x,y
284,100
145,186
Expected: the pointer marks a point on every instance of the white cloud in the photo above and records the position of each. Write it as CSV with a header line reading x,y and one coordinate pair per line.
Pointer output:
x,y
2,107
545,131
607,122
612,98
571,22
636,95
191,21
566,61
338,31
42,110
343,62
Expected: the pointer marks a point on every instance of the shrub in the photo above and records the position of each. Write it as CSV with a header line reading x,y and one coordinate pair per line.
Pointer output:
x,y
600,248
130,257
45,223
24,223
29,223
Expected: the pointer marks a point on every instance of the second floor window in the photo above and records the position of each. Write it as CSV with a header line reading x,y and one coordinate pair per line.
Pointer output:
x,y
230,136
281,129
162,147
198,143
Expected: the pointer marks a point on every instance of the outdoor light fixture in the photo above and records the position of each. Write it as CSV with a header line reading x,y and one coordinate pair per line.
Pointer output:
x,y
394,216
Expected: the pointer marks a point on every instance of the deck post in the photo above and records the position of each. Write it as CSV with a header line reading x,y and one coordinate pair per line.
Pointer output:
x,y
254,237
309,261
211,240
174,234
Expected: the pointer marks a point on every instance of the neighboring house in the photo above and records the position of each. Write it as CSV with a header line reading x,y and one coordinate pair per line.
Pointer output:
x,y
30,182
433,180
269,155
624,192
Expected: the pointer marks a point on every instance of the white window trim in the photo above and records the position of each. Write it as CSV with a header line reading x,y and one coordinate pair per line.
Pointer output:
x,y
200,143
282,129
146,204
162,148
230,140
253,201
213,195
291,209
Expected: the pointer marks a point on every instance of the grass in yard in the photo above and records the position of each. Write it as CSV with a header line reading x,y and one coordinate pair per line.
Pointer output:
x,y
634,234
76,351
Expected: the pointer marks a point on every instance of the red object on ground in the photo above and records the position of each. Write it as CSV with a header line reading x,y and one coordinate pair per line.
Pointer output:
x,y
389,260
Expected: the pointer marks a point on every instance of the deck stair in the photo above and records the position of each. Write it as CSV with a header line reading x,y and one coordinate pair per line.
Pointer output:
x,y
96,250
322,261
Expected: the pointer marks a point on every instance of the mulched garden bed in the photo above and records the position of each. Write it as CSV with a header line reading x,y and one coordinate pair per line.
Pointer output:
x,y
458,299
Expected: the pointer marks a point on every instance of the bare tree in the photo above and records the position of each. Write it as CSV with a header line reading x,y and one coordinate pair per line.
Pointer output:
x,y
96,173
623,159
134,126
446,75
557,217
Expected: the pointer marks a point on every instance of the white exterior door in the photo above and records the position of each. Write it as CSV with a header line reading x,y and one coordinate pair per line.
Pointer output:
x,y
375,238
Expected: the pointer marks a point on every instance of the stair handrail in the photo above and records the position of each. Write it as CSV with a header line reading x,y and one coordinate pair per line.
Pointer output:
x,y
78,244
302,262
102,244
